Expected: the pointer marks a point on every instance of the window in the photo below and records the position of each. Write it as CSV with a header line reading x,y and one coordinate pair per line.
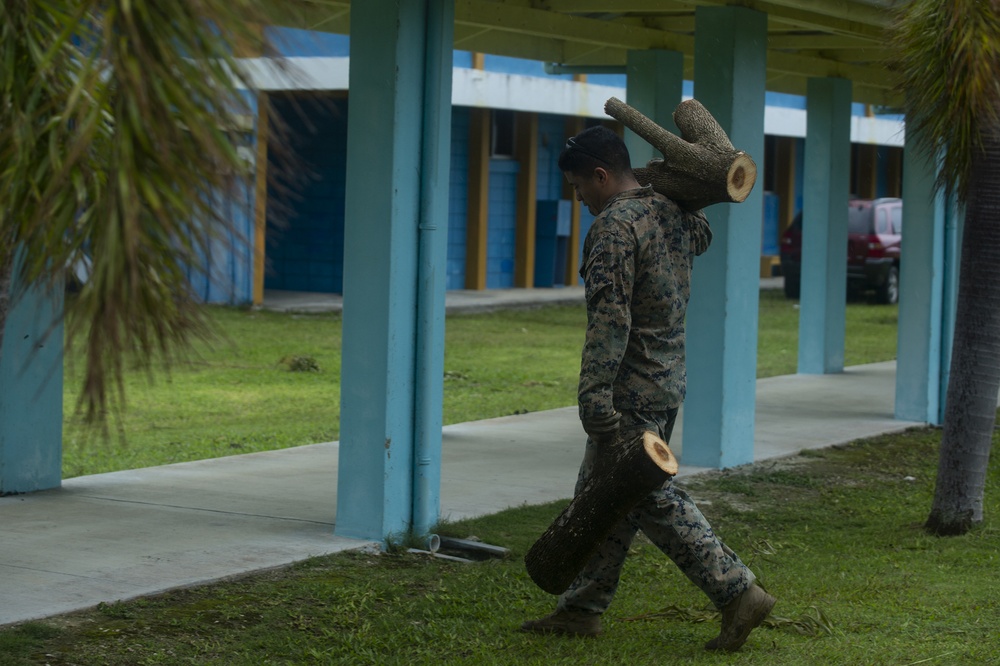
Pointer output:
x,y
882,221
896,218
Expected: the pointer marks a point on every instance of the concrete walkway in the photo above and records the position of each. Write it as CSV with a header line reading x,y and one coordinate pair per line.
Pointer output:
x,y
126,534
456,301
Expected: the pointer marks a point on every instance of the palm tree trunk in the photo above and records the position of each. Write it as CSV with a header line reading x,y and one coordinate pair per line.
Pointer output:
x,y
971,405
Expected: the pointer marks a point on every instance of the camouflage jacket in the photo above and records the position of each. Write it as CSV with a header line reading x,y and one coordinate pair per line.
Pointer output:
x,y
637,274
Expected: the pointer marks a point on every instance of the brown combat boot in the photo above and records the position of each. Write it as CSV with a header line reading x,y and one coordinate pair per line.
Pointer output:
x,y
740,616
567,623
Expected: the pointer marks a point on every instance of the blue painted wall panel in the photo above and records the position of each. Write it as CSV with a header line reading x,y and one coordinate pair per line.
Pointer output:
x,y
785,100
551,140
502,232
507,65
305,226
292,42
224,273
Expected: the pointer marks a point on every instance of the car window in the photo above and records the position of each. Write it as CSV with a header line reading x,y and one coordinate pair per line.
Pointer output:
x,y
859,220
882,221
896,218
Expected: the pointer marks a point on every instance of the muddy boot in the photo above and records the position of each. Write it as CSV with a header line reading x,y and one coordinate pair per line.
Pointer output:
x,y
567,623
740,616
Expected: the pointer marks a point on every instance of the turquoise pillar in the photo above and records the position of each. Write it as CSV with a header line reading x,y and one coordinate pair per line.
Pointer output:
x,y
954,221
730,75
391,190
31,388
826,190
654,86
920,356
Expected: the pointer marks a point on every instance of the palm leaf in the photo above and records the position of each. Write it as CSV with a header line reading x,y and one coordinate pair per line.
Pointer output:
x,y
948,62
117,141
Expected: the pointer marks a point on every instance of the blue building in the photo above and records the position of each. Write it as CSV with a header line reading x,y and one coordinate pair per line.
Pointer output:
x,y
509,120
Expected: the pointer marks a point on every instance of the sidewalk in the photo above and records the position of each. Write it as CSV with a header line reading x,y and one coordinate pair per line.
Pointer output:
x,y
126,534
456,300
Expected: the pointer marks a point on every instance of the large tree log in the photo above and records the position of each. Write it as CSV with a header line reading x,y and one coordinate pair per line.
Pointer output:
x,y
701,167
622,476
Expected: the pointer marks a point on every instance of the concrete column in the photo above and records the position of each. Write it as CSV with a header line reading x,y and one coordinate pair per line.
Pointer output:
x,y
31,389
823,290
654,86
394,191
920,357
730,60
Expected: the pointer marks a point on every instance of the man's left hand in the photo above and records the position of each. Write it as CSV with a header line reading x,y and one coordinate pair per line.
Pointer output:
x,y
603,429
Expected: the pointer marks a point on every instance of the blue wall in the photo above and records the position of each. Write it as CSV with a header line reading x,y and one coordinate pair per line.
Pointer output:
x,y
551,140
305,211
292,43
225,271
502,221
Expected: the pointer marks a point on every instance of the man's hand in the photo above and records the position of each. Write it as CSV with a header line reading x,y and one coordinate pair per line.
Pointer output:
x,y
603,429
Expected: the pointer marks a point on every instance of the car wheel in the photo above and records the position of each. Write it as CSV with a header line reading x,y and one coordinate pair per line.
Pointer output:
x,y
888,292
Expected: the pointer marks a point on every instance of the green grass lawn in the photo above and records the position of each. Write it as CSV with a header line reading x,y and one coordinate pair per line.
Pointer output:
x,y
237,396
834,534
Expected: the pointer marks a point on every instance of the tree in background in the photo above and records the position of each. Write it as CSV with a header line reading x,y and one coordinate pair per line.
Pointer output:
x,y
116,124
948,58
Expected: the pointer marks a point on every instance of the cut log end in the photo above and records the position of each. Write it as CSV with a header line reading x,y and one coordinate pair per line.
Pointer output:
x,y
741,177
659,452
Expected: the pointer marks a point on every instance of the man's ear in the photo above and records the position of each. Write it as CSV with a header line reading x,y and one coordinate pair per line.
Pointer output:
x,y
601,175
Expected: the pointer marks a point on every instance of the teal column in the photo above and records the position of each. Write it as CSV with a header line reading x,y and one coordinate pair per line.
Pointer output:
x,y
730,75
826,189
387,197
655,86
954,221
920,358
31,388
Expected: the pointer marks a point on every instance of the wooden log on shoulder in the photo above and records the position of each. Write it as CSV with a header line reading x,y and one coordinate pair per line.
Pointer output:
x,y
699,168
623,476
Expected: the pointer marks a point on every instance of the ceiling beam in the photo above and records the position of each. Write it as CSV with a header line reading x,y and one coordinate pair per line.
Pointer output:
x,y
874,57
816,40
842,9
808,66
521,20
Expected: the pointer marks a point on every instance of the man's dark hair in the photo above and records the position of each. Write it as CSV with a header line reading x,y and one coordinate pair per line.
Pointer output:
x,y
595,147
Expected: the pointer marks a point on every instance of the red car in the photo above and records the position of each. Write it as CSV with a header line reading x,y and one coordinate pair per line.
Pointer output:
x,y
874,229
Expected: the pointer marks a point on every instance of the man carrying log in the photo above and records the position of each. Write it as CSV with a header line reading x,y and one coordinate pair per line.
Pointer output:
x,y
637,262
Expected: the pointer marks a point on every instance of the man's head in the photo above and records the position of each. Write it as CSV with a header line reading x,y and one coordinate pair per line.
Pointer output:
x,y
597,164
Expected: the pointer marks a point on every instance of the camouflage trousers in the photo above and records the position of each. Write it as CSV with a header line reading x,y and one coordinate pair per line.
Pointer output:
x,y
672,522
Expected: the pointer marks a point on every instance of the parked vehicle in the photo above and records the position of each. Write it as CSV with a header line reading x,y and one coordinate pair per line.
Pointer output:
x,y
874,229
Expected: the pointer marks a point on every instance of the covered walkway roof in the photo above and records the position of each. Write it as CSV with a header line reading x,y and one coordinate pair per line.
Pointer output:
x,y
806,38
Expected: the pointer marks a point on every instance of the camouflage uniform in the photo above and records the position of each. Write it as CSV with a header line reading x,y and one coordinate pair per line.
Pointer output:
x,y
637,269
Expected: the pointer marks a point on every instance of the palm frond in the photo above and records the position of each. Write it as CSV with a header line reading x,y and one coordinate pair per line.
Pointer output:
x,y
117,128
948,62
